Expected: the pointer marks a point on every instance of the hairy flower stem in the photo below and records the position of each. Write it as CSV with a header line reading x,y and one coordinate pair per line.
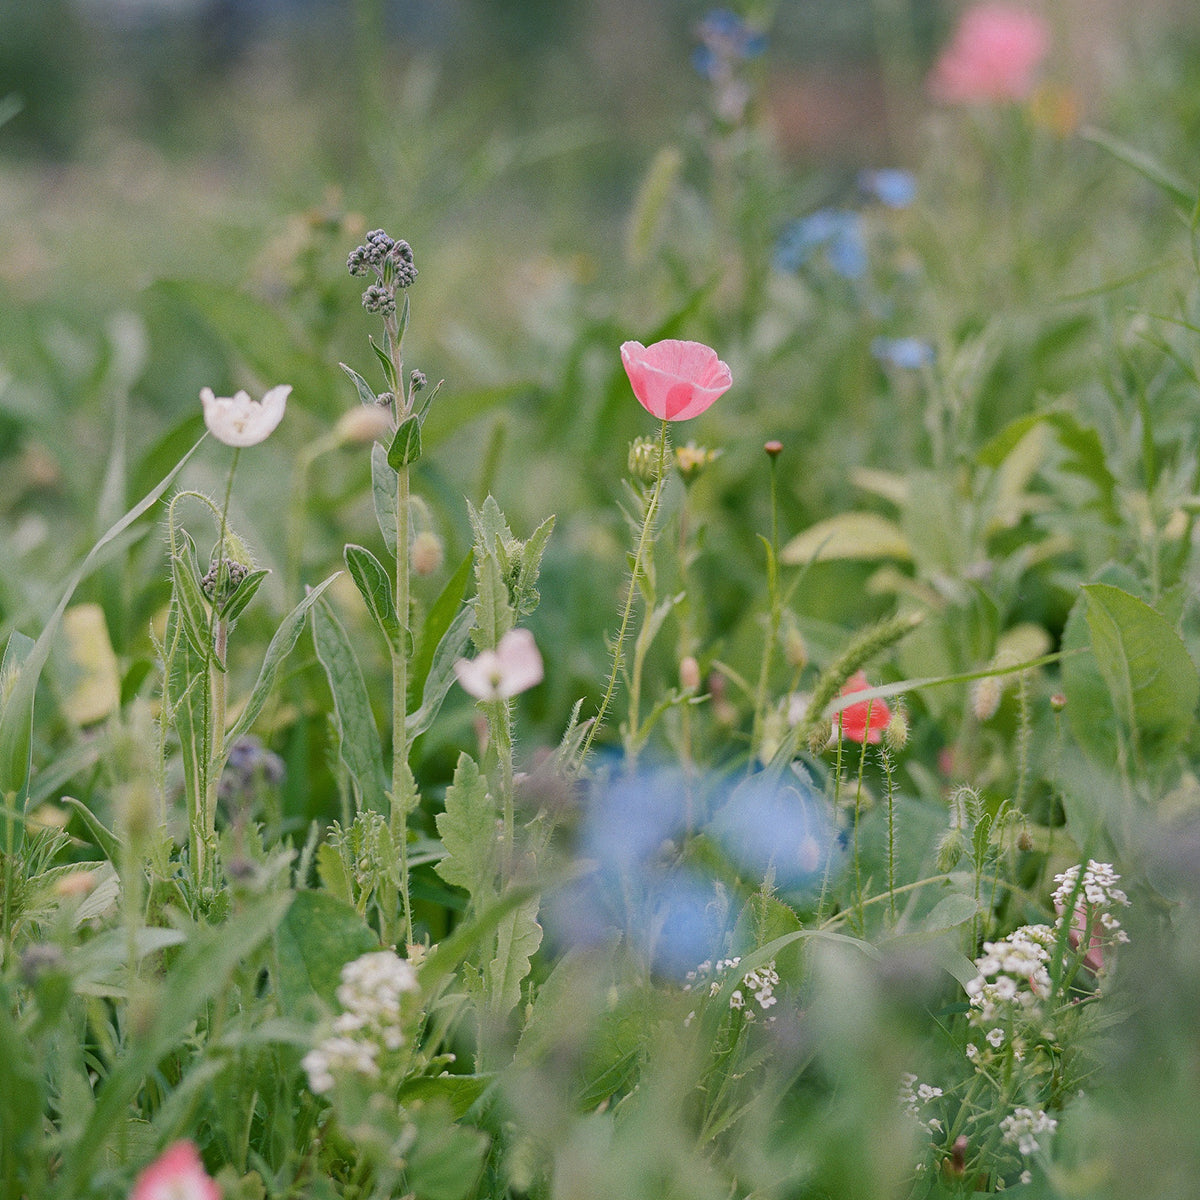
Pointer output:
x,y
639,554
774,619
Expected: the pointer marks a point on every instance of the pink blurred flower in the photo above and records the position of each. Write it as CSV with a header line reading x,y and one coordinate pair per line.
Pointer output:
x,y
865,721
177,1174
514,666
992,57
675,380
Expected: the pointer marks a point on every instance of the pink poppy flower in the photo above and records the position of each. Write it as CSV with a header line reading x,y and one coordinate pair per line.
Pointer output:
x,y
865,721
177,1174
675,380
992,57
513,667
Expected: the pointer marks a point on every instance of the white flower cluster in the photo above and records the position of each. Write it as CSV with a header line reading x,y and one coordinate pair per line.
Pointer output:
x,y
759,984
913,1098
1012,977
371,995
1096,897
1020,1129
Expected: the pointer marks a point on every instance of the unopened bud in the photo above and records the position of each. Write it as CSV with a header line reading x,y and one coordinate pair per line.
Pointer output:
x,y
795,649
361,425
895,735
689,674
985,697
1058,702
643,460
427,553
951,848
774,449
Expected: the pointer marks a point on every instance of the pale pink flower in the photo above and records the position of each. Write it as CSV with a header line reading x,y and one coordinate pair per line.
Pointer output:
x,y
992,57
675,380
177,1174
239,421
513,667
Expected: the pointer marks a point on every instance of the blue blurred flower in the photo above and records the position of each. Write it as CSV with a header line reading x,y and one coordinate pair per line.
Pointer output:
x,y
725,39
629,817
839,232
779,826
908,353
890,186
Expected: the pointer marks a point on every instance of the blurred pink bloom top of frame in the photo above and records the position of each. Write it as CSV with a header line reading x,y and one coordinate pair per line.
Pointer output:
x,y
865,721
177,1174
513,667
992,57
675,380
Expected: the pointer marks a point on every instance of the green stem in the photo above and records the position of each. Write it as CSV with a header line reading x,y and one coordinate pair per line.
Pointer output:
x,y
639,554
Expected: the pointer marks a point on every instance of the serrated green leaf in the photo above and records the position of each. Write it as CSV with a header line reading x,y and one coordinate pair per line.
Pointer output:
x,y
383,493
365,394
468,831
406,445
280,647
358,737
375,587
494,616
518,937
1153,683
335,880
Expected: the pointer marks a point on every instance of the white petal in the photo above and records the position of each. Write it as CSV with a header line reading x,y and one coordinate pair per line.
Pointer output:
x,y
480,676
520,662
240,421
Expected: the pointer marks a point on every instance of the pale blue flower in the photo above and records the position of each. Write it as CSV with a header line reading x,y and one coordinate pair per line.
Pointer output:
x,y
907,353
837,232
890,186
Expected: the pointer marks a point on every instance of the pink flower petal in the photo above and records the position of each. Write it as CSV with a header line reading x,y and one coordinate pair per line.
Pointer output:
x,y
854,718
675,380
177,1174
992,57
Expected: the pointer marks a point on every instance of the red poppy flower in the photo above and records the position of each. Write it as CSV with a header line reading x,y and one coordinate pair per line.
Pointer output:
x,y
865,721
675,380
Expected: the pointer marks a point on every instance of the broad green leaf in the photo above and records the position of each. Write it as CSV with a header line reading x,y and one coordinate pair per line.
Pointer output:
x,y
188,694
852,535
383,493
468,829
1151,678
406,445
376,589
317,937
446,1158
437,622
459,1091
16,716
281,645
494,616
365,394
358,736
23,1099
440,676
96,692
952,910
332,871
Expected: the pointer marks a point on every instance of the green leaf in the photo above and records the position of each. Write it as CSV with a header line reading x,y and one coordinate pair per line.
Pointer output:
x,y
459,1091
375,586
1143,164
193,609
243,594
281,646
383,493
358,736
440,677
517,938
853,535
1151,678
406,445
950,911
389,369
23,1156
446,1158
317,937
16,717
437,621
494,616
188,694
468,831
199,973
365,394
332,871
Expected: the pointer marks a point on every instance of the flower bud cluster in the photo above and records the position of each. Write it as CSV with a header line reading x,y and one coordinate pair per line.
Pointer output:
x,y
372,1021
391,261
223,576
915,1097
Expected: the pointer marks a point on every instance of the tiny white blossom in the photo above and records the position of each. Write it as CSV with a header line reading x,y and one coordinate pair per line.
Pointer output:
x,y
239,421
513,667
1019,1129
